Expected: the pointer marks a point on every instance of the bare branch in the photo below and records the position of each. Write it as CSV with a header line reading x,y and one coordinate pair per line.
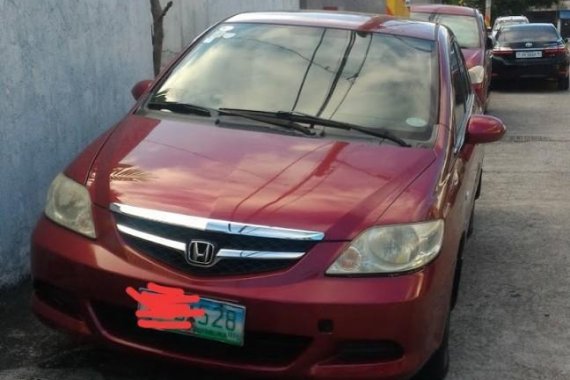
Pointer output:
x,y
165,10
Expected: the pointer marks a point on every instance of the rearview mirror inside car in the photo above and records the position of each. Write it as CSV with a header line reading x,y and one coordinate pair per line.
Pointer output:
x,y
140,88
483,129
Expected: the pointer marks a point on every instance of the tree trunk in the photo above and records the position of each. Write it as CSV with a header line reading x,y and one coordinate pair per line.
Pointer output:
x,y
157,32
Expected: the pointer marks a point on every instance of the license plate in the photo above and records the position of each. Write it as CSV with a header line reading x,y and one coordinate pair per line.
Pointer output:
x,y
223,321
529,54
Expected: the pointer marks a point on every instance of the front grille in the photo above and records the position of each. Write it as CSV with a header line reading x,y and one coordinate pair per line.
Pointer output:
x,y
223,240
225,266
258,349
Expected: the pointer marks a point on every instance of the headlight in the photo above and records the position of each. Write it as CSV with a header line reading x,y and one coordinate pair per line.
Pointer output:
x,y
477,74
69,204
390,249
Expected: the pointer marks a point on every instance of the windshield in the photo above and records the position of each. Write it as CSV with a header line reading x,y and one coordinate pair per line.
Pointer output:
x,y
465,28
368,79
534,33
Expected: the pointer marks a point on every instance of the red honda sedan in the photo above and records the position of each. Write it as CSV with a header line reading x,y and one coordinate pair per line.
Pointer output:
x,y
468,26
290,198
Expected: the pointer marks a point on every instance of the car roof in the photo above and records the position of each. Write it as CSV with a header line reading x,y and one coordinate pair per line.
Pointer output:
x,y
364,22
444,9
507,18
529,26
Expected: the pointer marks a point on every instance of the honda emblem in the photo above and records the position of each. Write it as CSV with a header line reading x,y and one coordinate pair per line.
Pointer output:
x,y
200,253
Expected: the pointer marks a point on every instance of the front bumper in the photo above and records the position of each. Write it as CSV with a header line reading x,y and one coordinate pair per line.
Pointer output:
x,y
298,324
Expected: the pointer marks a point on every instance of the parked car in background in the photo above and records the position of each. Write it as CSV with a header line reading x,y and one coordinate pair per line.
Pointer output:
x,y
468,25
503,21
531,51
310,176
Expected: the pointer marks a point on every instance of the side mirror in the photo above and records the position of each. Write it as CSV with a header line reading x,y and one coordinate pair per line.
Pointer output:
x,y
477,74
483,129
140,88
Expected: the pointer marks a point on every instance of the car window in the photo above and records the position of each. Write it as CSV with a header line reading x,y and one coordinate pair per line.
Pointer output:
x,y
461,91
505,23
369,79
465,28
536,33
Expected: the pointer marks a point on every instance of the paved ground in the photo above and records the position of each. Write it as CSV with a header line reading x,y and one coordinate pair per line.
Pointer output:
x,y
513,317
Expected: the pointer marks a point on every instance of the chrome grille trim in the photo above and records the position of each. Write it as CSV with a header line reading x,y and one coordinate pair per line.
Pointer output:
x,y
259,255
215,225
222,253
177,245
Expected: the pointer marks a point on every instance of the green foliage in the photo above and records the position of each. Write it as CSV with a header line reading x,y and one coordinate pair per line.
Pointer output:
x,y
504,7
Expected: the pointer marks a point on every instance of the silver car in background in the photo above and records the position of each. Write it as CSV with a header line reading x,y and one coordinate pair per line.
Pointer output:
x,y
501,22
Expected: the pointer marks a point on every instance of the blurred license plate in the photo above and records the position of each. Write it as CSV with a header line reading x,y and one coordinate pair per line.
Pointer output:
x,y
529,54
223,321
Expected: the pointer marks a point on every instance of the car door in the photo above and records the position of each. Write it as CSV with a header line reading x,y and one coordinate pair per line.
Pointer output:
x,y
467,158
486,55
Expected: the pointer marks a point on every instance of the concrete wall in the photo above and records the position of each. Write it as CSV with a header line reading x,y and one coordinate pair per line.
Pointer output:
x,y
66,69
188,18
369,6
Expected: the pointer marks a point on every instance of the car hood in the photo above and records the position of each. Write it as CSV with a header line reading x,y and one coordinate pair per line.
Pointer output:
x,y
200,169
473,57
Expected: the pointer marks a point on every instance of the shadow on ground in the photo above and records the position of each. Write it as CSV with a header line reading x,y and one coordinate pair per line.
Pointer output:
x,y
525,86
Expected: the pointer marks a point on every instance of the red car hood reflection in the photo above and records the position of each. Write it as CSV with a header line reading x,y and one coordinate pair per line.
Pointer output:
x,y
473,57
199,169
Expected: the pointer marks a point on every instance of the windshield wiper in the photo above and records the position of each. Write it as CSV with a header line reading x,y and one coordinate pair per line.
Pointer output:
x,y
184,108
267,117
376,132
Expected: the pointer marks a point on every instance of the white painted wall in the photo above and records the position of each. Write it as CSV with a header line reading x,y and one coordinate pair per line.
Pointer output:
x,y
188,18
66,70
